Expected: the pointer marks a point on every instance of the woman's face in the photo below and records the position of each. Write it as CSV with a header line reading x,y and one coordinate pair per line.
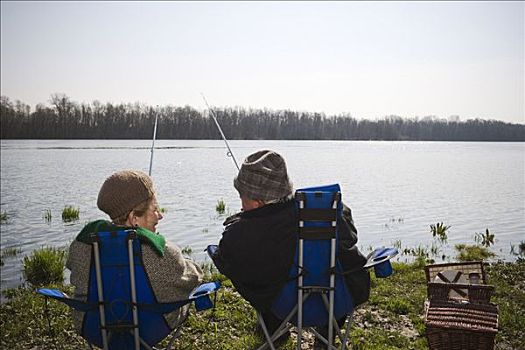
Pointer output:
x,y
151,217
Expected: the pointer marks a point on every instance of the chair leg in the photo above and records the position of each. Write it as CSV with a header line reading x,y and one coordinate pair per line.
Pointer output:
x,y
347,330
174,337
177,331
323,339
335,326
266,334
144,344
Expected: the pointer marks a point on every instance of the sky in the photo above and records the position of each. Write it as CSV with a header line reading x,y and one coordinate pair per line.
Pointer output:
x,y
367,59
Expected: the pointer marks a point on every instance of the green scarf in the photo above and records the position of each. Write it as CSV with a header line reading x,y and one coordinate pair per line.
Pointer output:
x,y
155,240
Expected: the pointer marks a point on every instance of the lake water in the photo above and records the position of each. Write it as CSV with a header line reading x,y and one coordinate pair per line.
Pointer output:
x,y
395,189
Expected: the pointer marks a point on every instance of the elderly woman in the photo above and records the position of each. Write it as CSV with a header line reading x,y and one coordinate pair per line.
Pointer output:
x,y
128,197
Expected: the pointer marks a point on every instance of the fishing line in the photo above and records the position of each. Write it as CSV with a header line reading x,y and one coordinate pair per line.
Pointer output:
x,y
230,153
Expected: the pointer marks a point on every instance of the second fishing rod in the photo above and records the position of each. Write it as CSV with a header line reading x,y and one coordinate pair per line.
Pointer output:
x,y
230,153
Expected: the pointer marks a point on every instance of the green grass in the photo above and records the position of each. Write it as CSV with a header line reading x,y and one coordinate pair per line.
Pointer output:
x,y
3,217
24,326
509,279
220,207
467,252
400,298
44,266
210,272
391,319
230,326
70,213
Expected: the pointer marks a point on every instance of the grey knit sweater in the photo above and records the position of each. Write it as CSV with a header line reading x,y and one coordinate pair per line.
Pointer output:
x,y
172,276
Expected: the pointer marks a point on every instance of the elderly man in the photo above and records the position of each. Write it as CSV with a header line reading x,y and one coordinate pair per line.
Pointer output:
x,y
258,244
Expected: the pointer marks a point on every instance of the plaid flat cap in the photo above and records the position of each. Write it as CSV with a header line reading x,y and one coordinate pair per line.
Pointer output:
x,y
263,176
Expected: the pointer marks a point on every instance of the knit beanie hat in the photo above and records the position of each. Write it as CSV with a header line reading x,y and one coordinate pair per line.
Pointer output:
x,y
263,176
123,191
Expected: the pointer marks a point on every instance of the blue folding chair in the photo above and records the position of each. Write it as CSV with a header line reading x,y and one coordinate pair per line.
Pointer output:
x,y
121,311
317,294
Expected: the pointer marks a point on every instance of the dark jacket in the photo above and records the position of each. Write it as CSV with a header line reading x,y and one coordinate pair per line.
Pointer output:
x,y
258,247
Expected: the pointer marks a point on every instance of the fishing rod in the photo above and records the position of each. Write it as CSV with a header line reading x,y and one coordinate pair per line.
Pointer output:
x,y
230,153
153,143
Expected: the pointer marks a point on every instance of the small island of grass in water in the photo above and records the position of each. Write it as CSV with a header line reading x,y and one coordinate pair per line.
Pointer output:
x,y
70,213
221,206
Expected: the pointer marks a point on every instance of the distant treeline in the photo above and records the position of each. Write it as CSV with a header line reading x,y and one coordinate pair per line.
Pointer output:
x,y
66,119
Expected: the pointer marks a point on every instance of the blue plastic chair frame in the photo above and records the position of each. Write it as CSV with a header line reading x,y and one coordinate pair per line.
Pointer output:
x,y
121,311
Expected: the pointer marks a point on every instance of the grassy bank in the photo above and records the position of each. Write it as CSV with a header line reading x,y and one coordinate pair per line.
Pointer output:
x,y
391,319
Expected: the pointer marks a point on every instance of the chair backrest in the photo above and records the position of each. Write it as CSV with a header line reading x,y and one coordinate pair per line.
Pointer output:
x,y
316,268
119,284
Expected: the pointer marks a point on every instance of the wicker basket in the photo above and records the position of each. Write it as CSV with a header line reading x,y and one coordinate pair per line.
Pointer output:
x,y
466,268
474,293
461,326
459,316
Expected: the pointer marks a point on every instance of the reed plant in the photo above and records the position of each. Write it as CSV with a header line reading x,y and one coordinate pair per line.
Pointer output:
x,y
11,251
3,217
221,206
520,252
70,213
439,231
187,251
47,215
485,239
44,266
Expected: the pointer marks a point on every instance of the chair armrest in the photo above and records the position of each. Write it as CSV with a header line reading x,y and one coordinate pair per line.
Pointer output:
x,y
205,289
211,249
379,256
201,295
52,293
62,297
379,259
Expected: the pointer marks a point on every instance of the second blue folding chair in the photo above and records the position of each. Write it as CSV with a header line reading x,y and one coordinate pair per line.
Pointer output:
x,y
317,294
